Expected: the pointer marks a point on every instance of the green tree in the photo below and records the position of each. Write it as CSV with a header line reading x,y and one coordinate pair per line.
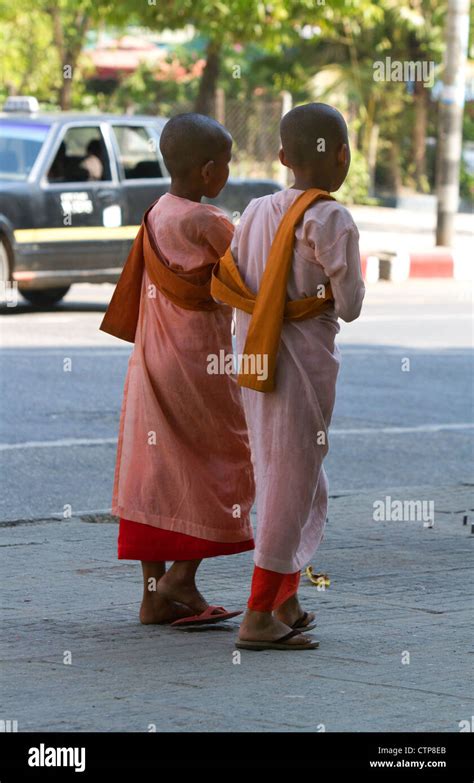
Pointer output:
x,y
25,35
221,23
43,43
274,26
71,21
383,113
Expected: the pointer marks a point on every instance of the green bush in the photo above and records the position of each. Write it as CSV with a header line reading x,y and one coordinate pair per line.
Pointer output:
x,y
355,189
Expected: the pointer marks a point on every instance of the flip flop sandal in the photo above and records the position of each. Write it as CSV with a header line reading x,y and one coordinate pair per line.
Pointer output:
x,y
278,644
300,623
213,614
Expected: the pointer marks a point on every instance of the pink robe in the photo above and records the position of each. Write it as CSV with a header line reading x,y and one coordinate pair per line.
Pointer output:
x,y
183,458
288,427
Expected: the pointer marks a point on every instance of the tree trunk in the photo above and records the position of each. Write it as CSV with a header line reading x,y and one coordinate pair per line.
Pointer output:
x,y
420,102
394,167
65,94
371,140
372,155
207,87
352,111
69,47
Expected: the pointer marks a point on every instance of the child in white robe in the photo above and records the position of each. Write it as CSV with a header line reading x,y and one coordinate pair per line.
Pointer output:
x,y
288,427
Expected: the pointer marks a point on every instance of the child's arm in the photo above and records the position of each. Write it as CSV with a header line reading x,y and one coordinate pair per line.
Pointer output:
x,y
218,232
238,230
337,250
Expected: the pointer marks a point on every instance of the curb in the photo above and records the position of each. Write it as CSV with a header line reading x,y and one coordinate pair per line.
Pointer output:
x,y
399,266
88,517
370,264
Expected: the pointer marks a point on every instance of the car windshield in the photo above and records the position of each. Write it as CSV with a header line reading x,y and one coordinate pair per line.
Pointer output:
x,y
20,143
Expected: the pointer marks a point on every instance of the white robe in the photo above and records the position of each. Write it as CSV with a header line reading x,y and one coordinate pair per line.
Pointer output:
x,y
288,427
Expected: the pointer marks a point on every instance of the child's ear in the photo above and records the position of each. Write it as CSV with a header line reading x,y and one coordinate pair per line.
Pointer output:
x,y
207,171
343,154
282,157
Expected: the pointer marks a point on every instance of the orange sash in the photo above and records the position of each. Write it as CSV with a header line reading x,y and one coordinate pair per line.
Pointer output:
x,y
270,306
121,317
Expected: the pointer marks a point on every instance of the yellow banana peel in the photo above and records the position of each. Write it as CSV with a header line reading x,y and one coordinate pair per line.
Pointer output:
x,y
320,580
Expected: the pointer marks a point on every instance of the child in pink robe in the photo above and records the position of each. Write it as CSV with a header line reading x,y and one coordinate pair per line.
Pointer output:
x,y
184,483
288,427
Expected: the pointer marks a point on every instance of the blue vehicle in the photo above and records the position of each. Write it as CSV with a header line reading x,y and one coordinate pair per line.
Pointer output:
x,y
73,190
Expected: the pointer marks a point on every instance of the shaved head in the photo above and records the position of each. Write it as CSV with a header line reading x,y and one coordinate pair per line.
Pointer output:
x,y
311,134
189,141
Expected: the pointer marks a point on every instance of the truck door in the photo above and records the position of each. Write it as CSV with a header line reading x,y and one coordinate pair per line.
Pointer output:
x,y
143,175
83,204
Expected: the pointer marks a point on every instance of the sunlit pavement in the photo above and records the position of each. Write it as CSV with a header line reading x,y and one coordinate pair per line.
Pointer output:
x,y
406,364
394,625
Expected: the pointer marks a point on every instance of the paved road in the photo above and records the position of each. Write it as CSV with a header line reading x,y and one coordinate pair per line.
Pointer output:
x,y
395,624
391,427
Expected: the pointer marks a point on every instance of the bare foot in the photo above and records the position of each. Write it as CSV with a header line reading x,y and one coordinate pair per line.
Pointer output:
x,y
291,611
174,589
156,610
264,627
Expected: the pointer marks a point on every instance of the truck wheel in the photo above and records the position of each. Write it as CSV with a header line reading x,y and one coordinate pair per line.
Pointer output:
x,y
44,297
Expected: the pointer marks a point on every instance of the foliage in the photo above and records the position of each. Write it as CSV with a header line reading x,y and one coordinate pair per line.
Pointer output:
x,y
356,187
312,49
25,34
466,183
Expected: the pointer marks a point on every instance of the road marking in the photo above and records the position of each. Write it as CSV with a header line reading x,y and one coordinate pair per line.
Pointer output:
x,y
72,442
54,444
349,348
408,317
16,319
19,318
345,348
76,351
38,318
403,430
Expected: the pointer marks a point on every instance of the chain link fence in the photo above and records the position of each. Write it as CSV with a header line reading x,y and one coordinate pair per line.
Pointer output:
x,y
255,128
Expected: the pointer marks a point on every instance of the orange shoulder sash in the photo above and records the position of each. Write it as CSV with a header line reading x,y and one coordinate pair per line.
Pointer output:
x,y
270,306
121,317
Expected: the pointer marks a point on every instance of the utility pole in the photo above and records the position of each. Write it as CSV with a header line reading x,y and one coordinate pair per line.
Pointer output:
x,y
450,119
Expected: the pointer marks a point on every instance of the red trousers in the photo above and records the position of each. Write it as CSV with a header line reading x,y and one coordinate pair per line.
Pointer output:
x,y
271,589
137,541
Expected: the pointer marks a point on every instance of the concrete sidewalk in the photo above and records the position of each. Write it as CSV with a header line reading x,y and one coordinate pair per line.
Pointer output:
x,y
397,588
403,241
384,228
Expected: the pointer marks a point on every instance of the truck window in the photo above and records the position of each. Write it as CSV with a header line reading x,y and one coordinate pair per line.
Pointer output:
x,y
20,143
137,152
81,157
